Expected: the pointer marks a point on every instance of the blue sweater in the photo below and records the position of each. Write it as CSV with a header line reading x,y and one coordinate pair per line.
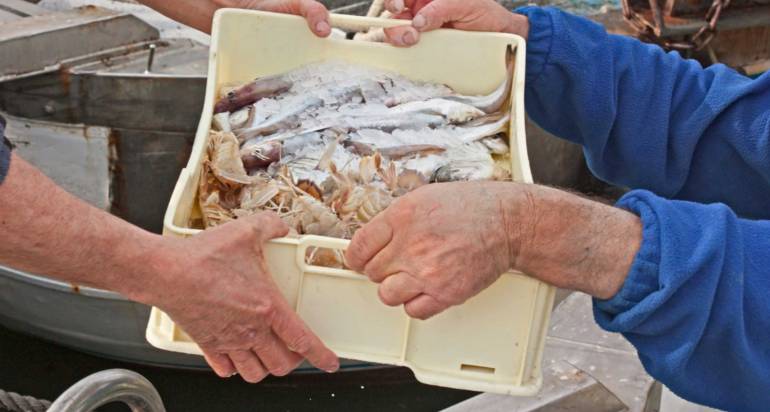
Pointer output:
x,y
695,144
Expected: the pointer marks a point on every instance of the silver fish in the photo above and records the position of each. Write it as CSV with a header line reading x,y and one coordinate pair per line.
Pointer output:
x,y
303,168
496,145
494,101
294,143
286,119
394,121
221,122
425,166
263,110
375,116
373,92
394,152
401,90
455,112
451,136
241,118
467,162
305,164
399,152
337,81
250,93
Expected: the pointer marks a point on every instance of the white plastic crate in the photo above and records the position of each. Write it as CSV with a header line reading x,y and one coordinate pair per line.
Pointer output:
x,y
492,343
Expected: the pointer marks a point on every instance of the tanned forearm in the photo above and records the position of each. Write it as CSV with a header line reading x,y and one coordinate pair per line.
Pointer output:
x,y
199,13
46,230
214,285
575,243
194,13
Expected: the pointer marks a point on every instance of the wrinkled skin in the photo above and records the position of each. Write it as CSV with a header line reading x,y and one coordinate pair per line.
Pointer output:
x,y
419,248
443,243
199,13
314,12
242,323
472,15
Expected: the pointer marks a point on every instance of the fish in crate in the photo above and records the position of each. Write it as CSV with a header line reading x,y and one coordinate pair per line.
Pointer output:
x,y
330,145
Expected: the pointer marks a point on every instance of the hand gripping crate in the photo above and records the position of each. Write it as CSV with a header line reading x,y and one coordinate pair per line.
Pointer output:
x,y
492,343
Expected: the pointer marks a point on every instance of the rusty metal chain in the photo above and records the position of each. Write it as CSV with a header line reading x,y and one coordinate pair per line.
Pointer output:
x,y
652,30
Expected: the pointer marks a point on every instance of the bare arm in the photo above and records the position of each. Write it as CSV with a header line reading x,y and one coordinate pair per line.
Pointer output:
x,y
48,231
444,235
215,285
199,13
576,243
194,13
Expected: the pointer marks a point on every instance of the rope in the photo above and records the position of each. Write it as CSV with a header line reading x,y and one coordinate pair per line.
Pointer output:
x,y
377,9
13,402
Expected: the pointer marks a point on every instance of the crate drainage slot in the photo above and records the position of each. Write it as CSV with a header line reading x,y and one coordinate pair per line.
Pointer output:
x,y
476,368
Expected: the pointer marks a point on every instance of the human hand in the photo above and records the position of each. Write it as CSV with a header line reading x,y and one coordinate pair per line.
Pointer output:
x,y
472,15
441,244
223,296
444,243
314,12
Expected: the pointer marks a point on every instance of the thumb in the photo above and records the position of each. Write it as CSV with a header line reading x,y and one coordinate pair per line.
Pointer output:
x,y
424,307
438,13
315,13
367,242
267,224
402,36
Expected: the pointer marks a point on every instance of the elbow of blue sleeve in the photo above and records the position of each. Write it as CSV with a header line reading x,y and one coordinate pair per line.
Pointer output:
x,y
695,304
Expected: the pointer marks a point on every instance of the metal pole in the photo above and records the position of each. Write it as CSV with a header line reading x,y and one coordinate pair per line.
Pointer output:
x,y
150,59
114,385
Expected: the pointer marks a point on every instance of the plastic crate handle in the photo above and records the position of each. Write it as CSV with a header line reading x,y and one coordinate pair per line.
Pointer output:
x,y
359,24
308,241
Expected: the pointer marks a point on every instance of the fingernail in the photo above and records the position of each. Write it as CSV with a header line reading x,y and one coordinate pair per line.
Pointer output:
x,y
398,6
332,370
408,38
419,21
232,374
322,27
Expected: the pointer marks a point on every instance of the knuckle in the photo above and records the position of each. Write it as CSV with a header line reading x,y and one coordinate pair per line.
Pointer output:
x,y
414,313
239,357
301,344
260,346
269,218
316,9
387,297
356,250
457,292
375,274
266,311
207,342
402,209
243,233
281,370
254,377
429,272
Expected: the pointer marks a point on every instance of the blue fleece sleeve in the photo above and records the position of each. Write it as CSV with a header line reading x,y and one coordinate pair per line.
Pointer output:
x,y
5,152
696,304
649,119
